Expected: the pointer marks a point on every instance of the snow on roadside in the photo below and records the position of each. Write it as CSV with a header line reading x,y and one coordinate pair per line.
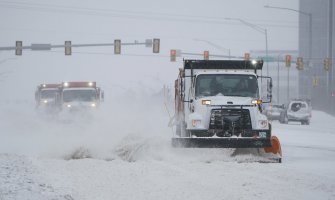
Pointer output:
x,y
20,179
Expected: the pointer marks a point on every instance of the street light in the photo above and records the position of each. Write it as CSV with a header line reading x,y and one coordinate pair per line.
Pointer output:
x,y
305,89
214,45
310,26
261,30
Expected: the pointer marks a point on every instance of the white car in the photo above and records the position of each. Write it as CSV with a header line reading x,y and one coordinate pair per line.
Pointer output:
x,y
297,110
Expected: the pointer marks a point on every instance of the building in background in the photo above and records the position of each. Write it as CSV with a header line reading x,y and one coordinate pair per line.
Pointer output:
x,y
316,43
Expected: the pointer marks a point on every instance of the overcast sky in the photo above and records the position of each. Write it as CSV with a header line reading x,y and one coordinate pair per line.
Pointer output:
x,y
190,25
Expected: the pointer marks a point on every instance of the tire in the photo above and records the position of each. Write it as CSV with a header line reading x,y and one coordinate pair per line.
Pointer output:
x,y
281,118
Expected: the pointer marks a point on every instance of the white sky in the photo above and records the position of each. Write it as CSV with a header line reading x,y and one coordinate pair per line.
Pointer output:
x,y
177,23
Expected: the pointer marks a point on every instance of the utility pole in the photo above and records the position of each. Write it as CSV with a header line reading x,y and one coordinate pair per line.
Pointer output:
x,y
331,72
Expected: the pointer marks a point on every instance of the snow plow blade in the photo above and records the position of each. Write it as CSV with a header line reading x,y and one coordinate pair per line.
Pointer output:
x,y
275,147
221,142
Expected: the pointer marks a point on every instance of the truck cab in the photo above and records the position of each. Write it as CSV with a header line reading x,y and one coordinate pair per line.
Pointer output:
x,y
218,103
75,96
45,95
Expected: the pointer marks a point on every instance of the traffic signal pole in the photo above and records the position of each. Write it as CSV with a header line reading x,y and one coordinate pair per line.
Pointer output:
x,y
46,47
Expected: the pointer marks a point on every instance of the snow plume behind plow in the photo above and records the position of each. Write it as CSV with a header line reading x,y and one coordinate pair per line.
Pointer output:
x,y
27,132
129,128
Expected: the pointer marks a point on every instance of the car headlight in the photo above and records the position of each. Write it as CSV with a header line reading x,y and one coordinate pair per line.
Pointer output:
x,y
206,102
45,101
68,105
263,123
93,105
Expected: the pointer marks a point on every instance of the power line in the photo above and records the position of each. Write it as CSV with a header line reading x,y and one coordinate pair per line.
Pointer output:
x,y
122,13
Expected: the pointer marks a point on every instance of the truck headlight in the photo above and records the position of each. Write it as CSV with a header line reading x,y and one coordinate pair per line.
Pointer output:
x,y
206,102
257,101
196,122
263,123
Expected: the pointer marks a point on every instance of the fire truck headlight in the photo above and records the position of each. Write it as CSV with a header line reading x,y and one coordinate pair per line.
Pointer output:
x,y
66,84
263,123
90,84
206,102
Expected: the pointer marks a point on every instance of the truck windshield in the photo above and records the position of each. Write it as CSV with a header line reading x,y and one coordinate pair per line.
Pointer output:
x,y
79,95
48,94
226,85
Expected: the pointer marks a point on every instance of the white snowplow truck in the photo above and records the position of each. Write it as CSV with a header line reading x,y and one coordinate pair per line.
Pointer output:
x,y
45,96
77,96
218,105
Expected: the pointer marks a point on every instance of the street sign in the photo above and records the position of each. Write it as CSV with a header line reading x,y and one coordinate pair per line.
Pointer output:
x,y
148,43
40,47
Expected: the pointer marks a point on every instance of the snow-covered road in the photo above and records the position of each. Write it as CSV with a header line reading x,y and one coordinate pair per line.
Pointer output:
x,y
36,162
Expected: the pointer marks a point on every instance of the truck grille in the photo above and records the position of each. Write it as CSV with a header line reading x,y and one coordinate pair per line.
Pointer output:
x,y
229,122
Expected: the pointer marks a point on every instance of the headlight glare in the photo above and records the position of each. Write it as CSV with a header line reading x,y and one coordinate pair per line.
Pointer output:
x,y
206,102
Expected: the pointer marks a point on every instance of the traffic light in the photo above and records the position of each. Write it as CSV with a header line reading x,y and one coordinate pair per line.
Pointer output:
x,y
326,64
247,56
300,63
206,55
173,55
117,46
156,46
288,60
18,48
68,48
316,80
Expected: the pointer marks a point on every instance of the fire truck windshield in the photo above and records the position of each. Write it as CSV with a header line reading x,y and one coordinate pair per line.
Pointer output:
x,y
79,95
226,85
48,94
